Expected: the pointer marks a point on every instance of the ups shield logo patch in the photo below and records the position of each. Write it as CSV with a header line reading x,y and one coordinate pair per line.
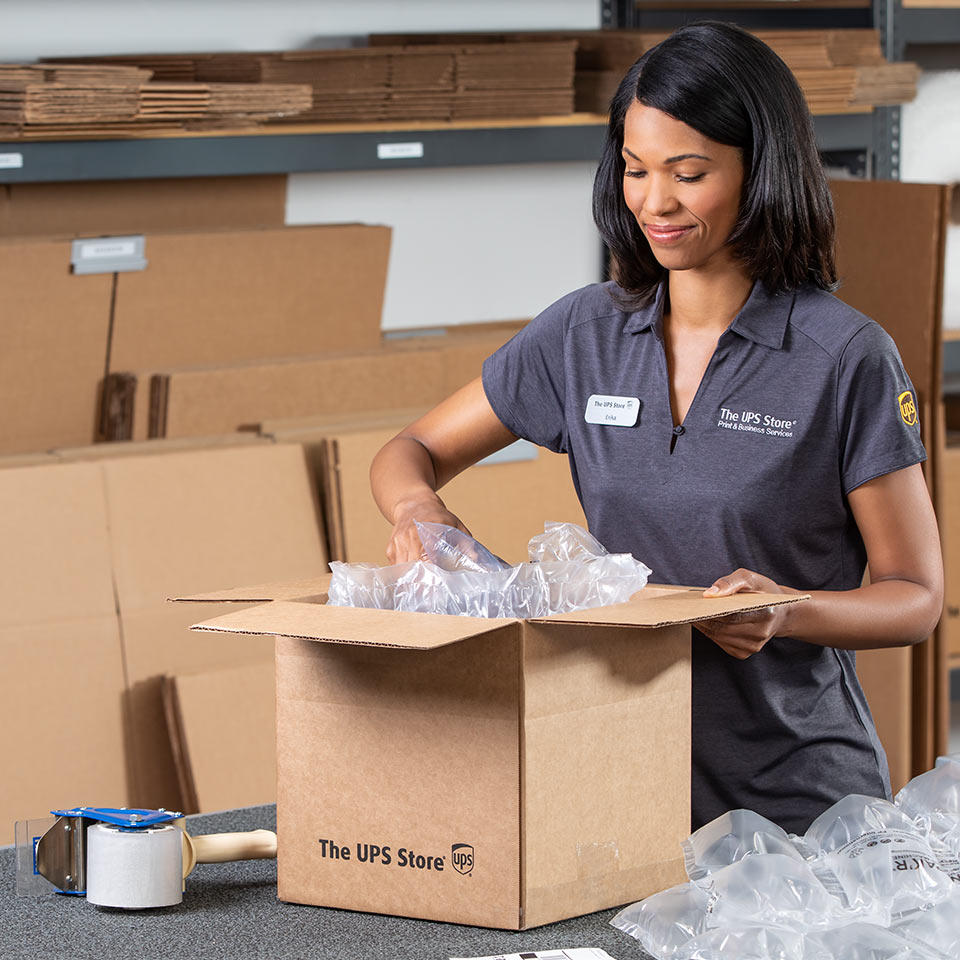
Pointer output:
x,y
908,408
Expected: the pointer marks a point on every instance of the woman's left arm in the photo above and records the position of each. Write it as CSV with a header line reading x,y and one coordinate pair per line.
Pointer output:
x,y
900,605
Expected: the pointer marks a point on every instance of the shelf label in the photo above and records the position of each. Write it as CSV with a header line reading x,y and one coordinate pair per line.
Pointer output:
x,y
107,249
400,151
11,161
108,255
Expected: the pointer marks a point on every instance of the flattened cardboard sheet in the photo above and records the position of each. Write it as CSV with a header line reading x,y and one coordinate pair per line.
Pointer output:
x,y
63,710
237,296
131,448
56,562
120,207
502,503
886,674
196,516
59,645
416,371
56,329
209,516
223,723
896,277
950,532
905,301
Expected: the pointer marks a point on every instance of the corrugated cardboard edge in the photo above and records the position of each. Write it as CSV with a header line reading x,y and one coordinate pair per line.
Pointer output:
x,y
333,498
426,631
178,744
719,607
353,625
313,589
159,392
521,786
117,399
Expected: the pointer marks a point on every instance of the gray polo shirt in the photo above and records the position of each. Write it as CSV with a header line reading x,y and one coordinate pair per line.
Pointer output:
x,y
804,400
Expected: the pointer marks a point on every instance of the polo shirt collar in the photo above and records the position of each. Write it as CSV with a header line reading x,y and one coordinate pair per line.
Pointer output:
x,y
650,315
763,318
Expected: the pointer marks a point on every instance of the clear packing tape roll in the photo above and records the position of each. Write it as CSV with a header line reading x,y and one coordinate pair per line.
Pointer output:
x,y
869,880
134,869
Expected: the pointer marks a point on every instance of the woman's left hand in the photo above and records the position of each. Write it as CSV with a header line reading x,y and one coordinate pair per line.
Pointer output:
x,y
744,634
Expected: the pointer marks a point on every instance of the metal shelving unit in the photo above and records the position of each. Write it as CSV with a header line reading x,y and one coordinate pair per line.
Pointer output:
x,y
569,139
919,26
867,143
300,151
899,28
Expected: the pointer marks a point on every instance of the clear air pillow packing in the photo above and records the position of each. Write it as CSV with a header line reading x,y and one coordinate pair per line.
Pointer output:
x,y
866,882
568,570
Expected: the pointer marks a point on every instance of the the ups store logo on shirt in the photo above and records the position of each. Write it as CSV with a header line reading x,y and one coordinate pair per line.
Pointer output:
x,y
908,408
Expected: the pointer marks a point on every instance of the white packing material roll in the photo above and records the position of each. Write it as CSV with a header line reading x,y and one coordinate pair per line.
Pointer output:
x,y
134,869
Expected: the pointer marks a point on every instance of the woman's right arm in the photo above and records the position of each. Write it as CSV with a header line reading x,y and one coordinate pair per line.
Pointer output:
x,y
407,472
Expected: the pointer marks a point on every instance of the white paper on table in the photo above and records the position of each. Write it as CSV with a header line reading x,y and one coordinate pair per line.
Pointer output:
x,y
574,953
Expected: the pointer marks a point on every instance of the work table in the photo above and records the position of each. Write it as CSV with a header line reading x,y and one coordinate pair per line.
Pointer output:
x,y
231,910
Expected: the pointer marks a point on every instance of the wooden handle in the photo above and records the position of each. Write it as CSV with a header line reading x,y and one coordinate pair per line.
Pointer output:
x,y
223,847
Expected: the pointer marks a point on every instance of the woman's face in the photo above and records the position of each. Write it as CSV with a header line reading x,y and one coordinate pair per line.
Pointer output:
x,y
683,188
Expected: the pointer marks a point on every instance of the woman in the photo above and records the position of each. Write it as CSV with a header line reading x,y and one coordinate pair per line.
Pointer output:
x,y
727,420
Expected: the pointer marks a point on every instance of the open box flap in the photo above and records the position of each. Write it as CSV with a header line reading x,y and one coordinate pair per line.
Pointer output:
x,y
659,606
313,589
355,625
651,607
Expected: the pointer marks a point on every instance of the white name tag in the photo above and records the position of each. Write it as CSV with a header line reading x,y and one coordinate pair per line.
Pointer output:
x,y
612,411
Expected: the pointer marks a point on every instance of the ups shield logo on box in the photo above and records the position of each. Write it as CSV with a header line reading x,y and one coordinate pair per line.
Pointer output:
x,y
462,856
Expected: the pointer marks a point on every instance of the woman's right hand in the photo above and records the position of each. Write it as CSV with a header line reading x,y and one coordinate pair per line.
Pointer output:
x,y
418,461
404,545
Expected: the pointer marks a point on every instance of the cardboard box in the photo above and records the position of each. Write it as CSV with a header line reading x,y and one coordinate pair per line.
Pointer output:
x,y
62,679
418,371
56,328
230,297
496,772
101,207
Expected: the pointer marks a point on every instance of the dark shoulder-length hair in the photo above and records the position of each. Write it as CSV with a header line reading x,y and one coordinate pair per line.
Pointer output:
x,y
732,88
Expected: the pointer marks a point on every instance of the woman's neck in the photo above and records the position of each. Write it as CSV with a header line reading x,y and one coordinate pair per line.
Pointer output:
x,y
706,301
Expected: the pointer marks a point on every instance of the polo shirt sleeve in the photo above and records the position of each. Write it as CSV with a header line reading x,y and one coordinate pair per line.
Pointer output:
x,y
524,381
877,410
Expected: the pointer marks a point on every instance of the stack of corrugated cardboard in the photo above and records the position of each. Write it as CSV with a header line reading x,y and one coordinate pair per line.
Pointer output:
x,y
56,100
239,325
839,70
446,82
223,102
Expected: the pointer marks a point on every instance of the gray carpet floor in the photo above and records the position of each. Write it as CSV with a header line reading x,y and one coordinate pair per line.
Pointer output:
x,y
230,910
